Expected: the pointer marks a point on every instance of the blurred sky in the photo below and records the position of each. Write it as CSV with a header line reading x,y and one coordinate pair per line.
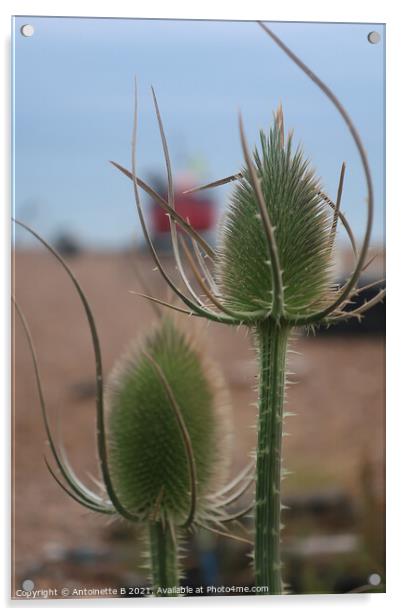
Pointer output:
x,y
73,104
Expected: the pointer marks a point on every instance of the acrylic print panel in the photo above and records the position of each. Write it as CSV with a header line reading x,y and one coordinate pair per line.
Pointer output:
x,y
165,464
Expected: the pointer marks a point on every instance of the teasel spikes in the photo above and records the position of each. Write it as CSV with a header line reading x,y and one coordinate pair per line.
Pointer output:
x,y
162,434
270,272
275,253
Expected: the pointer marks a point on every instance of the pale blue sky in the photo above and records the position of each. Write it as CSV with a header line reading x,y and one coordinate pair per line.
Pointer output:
x,y
74,96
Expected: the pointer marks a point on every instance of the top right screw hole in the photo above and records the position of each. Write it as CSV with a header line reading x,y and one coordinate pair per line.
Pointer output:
x,y
374,37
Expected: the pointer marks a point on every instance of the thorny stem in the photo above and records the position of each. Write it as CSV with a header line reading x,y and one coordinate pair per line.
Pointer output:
x,y
163,555
272,340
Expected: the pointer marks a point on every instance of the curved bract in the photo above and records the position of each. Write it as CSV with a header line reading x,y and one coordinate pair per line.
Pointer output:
x,y
301,225
148,460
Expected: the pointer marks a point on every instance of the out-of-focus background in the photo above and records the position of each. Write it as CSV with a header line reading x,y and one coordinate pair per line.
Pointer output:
x,y
73,108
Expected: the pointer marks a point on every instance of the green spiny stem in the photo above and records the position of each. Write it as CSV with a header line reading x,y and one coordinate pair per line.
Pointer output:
x,y
272,340
163,554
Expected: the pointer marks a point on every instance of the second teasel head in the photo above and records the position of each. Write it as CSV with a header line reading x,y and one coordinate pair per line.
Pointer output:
x,y
162,444
158,384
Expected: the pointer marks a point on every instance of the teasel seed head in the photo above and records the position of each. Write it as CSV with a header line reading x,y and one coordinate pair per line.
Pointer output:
x,y
274,256
163,446
301,224
148,459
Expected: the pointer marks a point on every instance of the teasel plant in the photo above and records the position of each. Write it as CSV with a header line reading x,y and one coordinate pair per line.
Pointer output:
x,y
163,431
272,272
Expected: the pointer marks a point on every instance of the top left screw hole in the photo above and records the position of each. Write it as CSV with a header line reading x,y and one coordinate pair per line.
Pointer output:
x,y
27,30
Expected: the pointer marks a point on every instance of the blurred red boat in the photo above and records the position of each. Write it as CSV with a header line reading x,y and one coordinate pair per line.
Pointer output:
x,y
197,208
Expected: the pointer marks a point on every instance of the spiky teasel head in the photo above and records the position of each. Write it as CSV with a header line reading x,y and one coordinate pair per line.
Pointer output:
x,y
300,222
274,259
167,426
163,455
